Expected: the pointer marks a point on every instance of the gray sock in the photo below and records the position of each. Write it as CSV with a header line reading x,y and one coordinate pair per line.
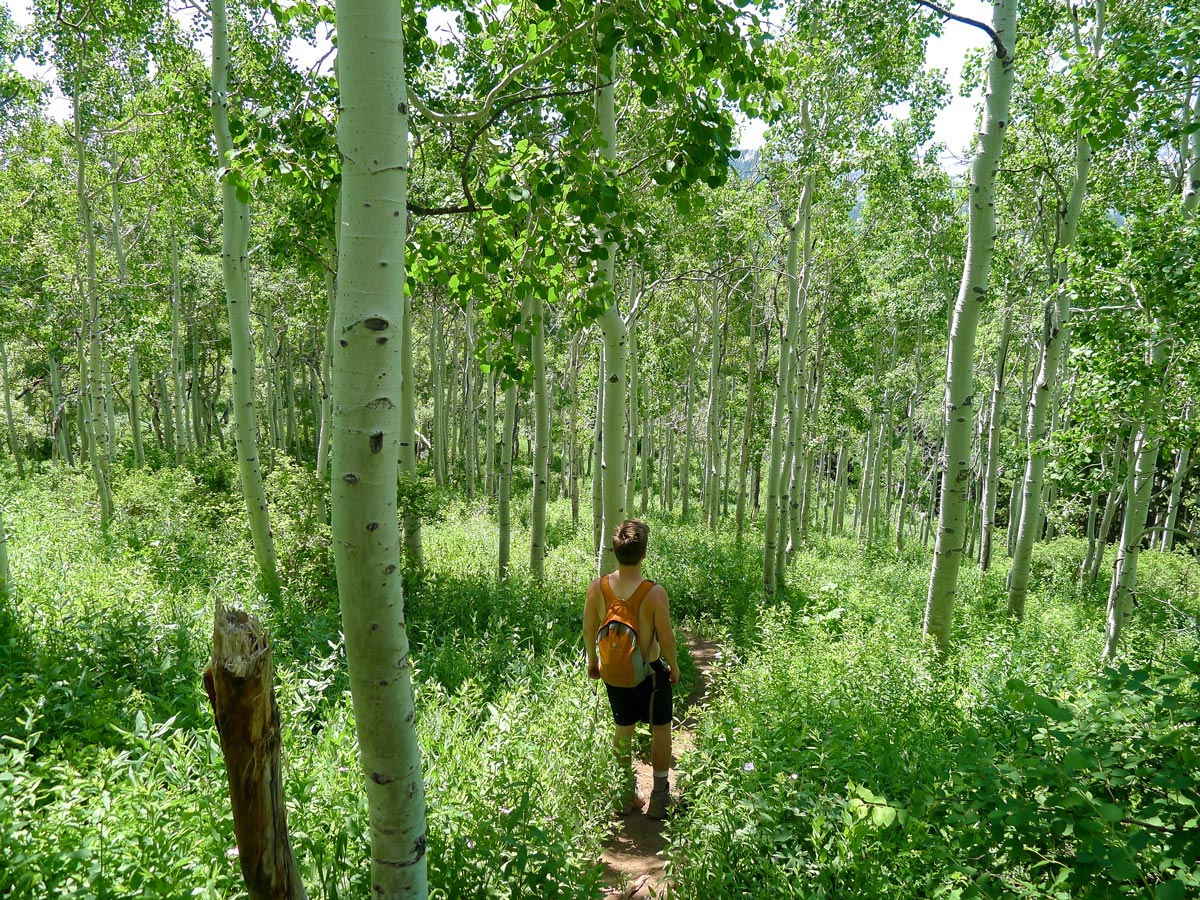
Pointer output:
x,y
661,782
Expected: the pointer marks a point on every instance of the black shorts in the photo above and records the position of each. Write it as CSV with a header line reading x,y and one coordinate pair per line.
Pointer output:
x,y
649,702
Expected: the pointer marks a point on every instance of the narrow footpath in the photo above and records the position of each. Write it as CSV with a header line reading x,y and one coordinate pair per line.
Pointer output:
x,y
633,855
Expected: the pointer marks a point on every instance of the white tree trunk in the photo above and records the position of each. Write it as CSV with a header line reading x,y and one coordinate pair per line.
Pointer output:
x,y
179,442
14,443
596,456
991,471
541,436
777,464
414,550
235,235
747,427
504,507
367,383
1183,457
960,388
1055,333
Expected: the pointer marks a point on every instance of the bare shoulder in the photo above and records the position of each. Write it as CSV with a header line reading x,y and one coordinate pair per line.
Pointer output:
x,y
657,595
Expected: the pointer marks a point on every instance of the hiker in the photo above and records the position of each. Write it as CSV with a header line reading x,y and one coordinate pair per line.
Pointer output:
x,y
630,644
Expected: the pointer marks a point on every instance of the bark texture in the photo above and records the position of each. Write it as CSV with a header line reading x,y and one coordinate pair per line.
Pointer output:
x,y
240,682
959,404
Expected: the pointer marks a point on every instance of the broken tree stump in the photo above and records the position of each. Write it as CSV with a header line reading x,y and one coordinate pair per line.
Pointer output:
x,y
240,682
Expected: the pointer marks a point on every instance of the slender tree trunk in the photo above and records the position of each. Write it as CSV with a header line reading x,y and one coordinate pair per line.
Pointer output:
x,y
168,419
235,233
1183,459
326,431
414,550
91,386
1016,496
14,443
632,422
1055,331
61,427
596,457
1124,581
489,431
541,437
367,382
747,428
777,464
437,350
573,430
713,424
506,468
647,471
685,467
7,585
178,441
842,480
135,399
1097,534
960,388
991,472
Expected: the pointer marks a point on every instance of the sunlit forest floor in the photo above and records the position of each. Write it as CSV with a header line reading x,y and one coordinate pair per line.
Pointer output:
x,y
836,758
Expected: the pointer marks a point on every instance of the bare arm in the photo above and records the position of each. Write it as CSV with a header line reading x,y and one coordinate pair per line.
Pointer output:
x,y
591,623
663,630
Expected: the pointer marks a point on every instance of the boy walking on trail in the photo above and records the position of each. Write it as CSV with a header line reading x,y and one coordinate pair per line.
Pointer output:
x,y
625,606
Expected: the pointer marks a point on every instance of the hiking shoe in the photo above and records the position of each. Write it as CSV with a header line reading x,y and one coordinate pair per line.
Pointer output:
x,y
660,805
630,804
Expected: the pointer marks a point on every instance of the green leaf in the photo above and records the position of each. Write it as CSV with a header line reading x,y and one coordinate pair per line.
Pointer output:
x,y
883,816
1171,890
1111,812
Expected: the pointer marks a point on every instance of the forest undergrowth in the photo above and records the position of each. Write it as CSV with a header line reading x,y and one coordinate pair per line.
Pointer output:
x,y
838,759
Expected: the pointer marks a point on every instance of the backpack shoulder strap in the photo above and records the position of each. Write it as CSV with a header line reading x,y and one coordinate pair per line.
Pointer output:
x,y
607,592
636,598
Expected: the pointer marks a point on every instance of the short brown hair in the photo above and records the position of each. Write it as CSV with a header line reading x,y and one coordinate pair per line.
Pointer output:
x,y
629,543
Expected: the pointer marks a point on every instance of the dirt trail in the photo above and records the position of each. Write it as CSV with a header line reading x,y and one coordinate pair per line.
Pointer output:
x,y
635,868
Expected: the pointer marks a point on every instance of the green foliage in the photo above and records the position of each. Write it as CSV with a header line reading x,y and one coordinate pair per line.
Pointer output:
x,y
840,759
1088,794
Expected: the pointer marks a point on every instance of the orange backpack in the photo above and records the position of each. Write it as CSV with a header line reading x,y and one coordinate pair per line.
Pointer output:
x,y
617,647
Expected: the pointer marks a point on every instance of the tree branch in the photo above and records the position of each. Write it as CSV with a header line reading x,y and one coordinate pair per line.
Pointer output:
x,y
1001,50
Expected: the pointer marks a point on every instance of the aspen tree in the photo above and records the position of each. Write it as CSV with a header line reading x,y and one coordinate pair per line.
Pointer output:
x,y
777,461
91,384
960,389
1055,331
180,444
991,471
1148,440
504,507
747,426
573,365
632,421
596,457
1183,457
326,430
615,332
14,443
367,383
685,466
6,579
135,389
414,550
798,431
1098,534
541,434
235,233
709,488
437,364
